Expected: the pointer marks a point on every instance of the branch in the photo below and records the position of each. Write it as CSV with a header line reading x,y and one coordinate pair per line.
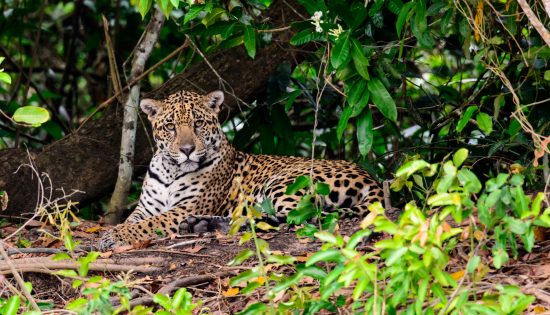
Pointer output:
x,y
129,122
543,32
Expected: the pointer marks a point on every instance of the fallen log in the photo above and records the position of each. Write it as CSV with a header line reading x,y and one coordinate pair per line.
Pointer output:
x,y
87,160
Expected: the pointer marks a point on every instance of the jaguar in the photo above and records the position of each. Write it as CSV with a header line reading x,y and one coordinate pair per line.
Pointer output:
x,y
195,172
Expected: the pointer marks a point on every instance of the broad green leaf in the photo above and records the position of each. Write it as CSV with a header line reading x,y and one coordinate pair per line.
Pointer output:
x,y
31,115
463,121
12,305
4,77
254,309
144,6
343,122
361,62
411,167
340,53
365,132
306,36
287,282
322,189
281,259
162,300
460,156
469,180
213,16
547,75
76,304
443,199
244,276
300,183
179,297
473,263
328,237
403,16
382,99
395,255
250,41
241,257
193,12
327,255
485,123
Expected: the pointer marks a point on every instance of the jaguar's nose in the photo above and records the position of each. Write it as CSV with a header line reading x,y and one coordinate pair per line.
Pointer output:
x,y
187,149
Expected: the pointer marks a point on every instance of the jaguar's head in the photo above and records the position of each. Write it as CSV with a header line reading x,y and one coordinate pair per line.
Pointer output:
x,y
186,127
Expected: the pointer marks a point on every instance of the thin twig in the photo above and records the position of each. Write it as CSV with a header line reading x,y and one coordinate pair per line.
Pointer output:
x,y
17,277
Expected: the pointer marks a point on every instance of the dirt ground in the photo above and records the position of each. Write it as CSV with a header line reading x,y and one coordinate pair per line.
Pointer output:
x,y
199,263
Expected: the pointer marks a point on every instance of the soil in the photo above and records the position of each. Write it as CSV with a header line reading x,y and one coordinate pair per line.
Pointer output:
x,y
200,263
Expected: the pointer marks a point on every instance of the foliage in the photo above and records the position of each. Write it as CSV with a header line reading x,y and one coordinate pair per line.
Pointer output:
x,y
408,272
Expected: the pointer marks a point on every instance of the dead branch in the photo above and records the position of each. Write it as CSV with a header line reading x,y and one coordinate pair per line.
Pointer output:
x,y
543,32
130,119
13,270
47,265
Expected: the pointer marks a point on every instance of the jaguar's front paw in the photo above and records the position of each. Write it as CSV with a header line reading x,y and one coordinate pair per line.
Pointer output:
x,y
203,224
110,240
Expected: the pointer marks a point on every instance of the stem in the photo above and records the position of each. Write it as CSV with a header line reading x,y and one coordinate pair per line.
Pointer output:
x,y
130,119
261,262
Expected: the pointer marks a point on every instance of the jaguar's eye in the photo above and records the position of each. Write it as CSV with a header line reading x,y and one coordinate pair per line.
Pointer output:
x,y
199,123
170,127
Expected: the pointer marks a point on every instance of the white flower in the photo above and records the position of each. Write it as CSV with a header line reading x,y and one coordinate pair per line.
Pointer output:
x,y
316,21
336,31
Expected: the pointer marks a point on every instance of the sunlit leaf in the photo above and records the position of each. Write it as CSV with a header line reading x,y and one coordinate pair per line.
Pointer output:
x,y
31,115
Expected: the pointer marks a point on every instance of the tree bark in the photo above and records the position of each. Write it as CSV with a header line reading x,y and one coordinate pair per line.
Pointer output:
x,y
87,160
130,119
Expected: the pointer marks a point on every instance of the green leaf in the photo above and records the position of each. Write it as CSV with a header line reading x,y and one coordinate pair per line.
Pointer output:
x,y
382,99
256,308
365,132
305,37
61,256
411,167
402,17
485,123
12,305
340,53
31,115
460,156
193,12
281,259
244,276
241,257
327,255
361,62
300,183
469,180
547,75
343,122
395,255
465,118
178,297
163,300
473,263
322,189
76,304
144,6
287,282
443,199
250,41
213,16
4,77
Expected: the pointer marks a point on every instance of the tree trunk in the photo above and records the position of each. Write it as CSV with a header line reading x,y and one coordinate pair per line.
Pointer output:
x,y
87,160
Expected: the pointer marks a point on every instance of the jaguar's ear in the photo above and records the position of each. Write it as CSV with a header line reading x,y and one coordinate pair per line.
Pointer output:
x,y
214,101
151,107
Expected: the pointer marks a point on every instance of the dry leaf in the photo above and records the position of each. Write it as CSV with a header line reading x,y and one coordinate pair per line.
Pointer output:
x,y
458,275
478,235
93,229
231,292
539,309
194,249
121,249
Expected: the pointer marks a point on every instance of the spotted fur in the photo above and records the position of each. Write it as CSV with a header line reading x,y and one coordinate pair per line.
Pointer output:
x,y
194,168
